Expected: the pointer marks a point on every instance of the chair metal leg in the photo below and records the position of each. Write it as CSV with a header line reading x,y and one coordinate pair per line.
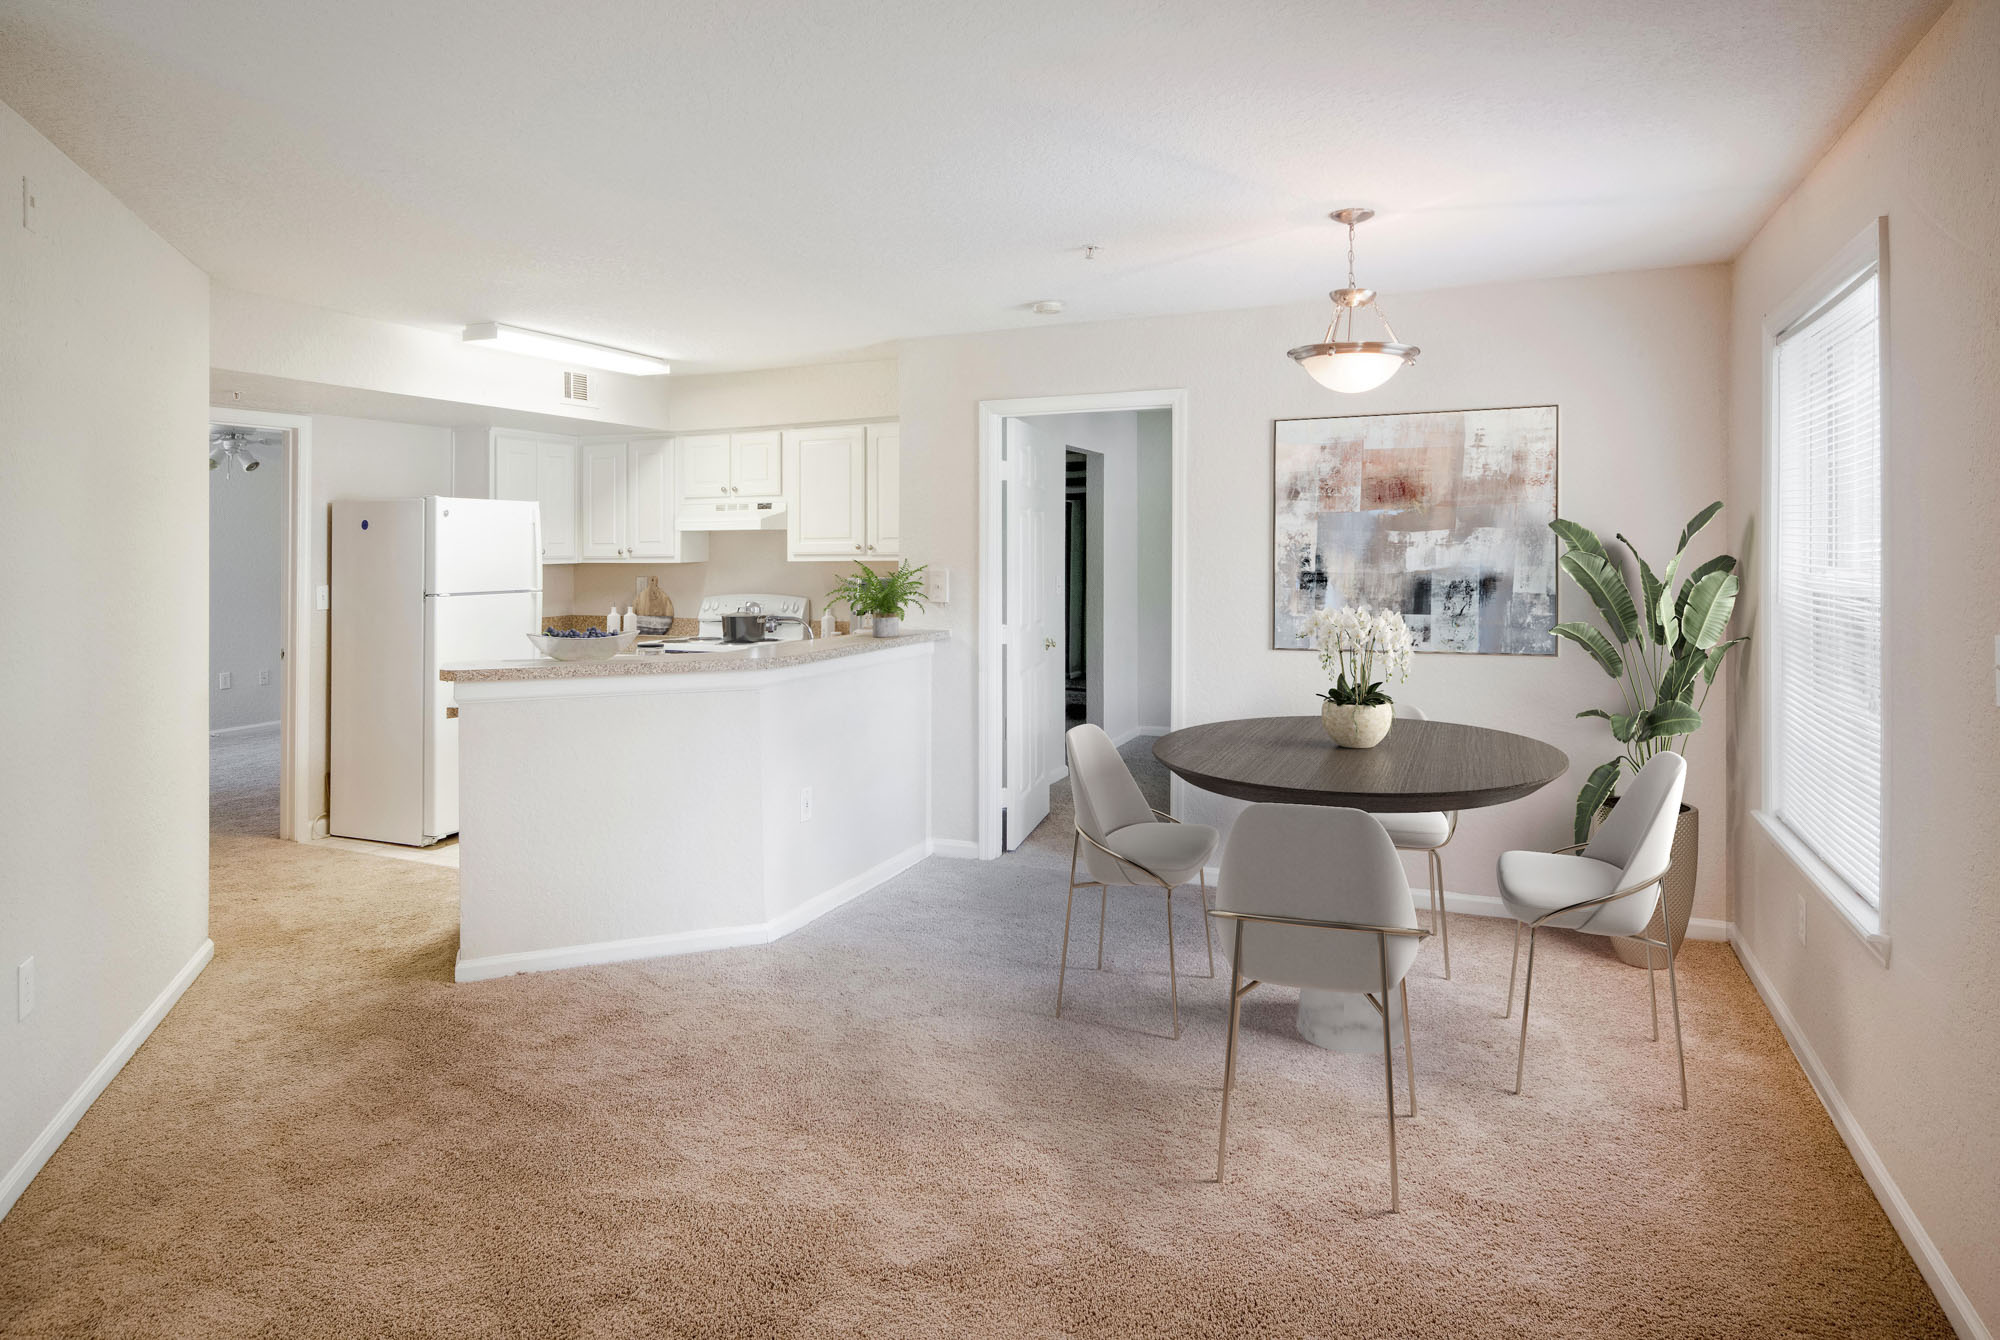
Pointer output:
x,y
1229,1052
1207,932
1527,993
1437,895
1173,973
1068,907
1389,1077
1653,987
1409,1053
1673,990
1103,901
1511,972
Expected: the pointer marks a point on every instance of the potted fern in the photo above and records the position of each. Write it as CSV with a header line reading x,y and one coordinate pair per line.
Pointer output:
x,y
885,597
1664,649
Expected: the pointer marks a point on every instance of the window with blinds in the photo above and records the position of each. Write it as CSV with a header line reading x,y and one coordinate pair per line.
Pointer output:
x,y
1826,624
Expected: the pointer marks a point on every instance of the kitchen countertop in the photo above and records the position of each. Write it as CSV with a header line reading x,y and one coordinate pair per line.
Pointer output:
x,y
780,655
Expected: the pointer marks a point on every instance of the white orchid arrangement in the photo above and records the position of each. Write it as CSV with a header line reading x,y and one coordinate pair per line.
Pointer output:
x,y
1359,649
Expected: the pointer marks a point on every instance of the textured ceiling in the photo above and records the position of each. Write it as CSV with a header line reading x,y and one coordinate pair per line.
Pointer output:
x,y
751,184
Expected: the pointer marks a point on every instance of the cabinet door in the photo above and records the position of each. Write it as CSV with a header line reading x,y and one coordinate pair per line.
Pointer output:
x,y
704,465
604,500
650,481
555,489
885,491
828,468
516,468
754,464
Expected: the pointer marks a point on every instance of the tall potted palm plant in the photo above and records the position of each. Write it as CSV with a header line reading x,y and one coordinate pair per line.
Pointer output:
x,y
1664,650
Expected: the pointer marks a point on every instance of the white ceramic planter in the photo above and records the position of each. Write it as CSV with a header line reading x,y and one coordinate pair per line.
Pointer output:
x,y
887,627
1356,727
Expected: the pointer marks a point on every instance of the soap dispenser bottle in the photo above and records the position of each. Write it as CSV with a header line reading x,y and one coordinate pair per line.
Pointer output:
x,y
612,624
630,623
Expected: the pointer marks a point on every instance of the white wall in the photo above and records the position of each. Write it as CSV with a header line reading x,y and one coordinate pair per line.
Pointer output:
x,y
1908,1047
1636,361
246,589
359,458
1133,574
103,517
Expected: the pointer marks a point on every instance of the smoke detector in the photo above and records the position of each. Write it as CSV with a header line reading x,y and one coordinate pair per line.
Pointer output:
x,y
1047,307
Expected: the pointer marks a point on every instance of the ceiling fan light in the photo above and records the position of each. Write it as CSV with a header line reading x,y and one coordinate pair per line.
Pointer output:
x,y
1353,367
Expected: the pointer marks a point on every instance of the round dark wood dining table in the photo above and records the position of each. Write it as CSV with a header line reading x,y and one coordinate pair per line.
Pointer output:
x,y
1420,766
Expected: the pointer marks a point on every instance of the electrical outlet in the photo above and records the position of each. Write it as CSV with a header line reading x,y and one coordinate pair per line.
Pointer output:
x,y
937,586
263,678
225,680
24,986
1800,916
805,804
29,205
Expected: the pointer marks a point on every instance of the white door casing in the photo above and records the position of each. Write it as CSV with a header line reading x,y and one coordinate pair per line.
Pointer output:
x,y
1033,610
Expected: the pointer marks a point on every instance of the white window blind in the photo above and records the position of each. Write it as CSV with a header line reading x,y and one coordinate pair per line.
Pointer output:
x,y
1827,602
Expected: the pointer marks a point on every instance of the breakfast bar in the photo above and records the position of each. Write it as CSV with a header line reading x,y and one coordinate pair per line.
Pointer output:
x,y
658,804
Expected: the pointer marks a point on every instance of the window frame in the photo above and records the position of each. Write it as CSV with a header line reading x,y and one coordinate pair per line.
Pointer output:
x,y
1870,248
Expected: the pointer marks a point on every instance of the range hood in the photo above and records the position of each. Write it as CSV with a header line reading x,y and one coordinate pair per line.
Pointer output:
x,y
732,514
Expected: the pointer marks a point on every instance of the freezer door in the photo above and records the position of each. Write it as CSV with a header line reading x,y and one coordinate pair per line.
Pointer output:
x,y
483,544
464,628
375,709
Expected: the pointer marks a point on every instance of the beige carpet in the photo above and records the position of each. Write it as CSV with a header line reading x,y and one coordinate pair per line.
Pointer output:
x,y
874,1127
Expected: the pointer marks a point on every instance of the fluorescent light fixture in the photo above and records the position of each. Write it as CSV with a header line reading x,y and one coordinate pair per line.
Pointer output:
x,y
562,349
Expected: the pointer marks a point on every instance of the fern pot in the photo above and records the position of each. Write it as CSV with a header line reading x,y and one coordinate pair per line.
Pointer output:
x,y
888,626
1353,727
1676,896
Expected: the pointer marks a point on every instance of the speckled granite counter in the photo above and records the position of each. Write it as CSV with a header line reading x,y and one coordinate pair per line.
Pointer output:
x,y
757,656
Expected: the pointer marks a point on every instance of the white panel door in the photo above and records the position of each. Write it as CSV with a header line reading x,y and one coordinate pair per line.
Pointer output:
x,y
829,471
1033,611
603,483
650,481
517,468
885,491
556,490
755,464
704,465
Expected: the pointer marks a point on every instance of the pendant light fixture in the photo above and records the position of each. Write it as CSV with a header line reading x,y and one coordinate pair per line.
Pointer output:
x,y
1351,365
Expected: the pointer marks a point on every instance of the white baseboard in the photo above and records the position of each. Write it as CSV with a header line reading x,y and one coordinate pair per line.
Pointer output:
x,y
1124,738
1950,1295
689,942
958,849
250,729
106,1070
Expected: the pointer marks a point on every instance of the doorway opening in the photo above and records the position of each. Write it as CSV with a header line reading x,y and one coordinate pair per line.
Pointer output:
x,y
257,486
1080,619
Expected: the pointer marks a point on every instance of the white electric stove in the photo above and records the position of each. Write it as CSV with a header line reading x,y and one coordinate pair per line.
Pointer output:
x,y
784,621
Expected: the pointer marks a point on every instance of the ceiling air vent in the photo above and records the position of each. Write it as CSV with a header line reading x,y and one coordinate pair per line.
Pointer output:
x,y
576,387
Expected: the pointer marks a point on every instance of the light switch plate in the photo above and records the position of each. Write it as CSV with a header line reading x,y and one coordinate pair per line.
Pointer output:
x,y
937,588
29,205
324,598
225,680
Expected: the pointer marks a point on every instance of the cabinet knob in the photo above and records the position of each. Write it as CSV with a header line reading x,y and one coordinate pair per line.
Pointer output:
x,y
871,548
857,548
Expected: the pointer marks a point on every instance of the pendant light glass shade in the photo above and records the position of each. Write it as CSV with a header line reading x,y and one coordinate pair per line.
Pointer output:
x,y
1350,365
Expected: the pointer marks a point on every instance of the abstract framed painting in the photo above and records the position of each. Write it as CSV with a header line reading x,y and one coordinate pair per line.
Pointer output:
x,y
1442,515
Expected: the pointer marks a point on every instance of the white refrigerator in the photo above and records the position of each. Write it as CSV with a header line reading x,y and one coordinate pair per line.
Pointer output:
x,y
418,583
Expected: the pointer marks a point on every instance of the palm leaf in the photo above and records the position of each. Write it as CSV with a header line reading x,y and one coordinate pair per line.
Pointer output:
x,y
1651,588
1709,606
1668,719
1606,587
1693,527
1681,672
1578,537
1596,790
1594,642
1713,662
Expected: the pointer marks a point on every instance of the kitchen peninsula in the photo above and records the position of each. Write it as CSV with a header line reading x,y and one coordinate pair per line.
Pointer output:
x,y
660,804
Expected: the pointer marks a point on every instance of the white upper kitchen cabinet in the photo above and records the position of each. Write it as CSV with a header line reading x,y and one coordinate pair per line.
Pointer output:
x,y
755,465
885,491
651,531
523,467
828,504
603,489
705,465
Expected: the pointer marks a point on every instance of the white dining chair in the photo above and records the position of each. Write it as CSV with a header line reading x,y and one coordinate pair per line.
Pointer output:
x,y
1319,900
1124,841
1606,886
1427,832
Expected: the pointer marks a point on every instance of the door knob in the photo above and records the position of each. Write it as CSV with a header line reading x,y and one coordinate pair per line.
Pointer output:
x,y
1048,644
